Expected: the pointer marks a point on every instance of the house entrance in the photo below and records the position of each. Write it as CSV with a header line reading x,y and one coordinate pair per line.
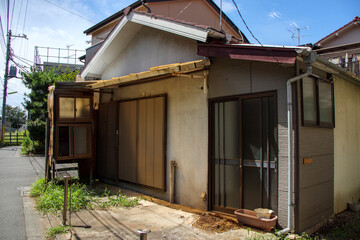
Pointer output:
x,y
244,152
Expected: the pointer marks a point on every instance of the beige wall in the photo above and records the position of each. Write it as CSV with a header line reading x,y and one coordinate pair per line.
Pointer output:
x,y
347,143
187,135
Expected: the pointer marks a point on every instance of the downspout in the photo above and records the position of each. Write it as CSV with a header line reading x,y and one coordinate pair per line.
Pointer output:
x,y
308,59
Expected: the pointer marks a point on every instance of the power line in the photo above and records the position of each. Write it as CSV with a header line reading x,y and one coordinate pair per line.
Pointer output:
x,y
27,3
12,14
17,24
251,31
2,31
69,11
245,23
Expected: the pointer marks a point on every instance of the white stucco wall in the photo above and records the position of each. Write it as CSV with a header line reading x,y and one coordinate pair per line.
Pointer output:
x,y
149,48
187,135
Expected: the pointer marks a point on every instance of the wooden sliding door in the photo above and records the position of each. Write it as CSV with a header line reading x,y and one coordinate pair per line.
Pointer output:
x,y
142,141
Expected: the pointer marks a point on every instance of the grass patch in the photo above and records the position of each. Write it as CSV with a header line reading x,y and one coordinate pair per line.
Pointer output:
x,y
53,231
277,236
50,197
345,225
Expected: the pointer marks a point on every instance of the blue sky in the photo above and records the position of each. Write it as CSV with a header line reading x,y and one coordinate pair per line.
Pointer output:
x,y
48,25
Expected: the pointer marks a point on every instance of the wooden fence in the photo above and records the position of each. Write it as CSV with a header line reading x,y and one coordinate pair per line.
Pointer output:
x,y
14,138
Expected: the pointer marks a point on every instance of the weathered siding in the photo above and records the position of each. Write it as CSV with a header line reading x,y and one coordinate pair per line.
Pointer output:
x,y
149,48
347,143
196,11
236,77
187,136
316,180
347,37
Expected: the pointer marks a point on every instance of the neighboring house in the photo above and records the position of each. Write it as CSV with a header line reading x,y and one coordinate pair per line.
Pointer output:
x,y
342,47
204,12
179,94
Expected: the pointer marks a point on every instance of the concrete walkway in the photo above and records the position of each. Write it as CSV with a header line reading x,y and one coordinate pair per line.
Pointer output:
x,y
20,220
16,175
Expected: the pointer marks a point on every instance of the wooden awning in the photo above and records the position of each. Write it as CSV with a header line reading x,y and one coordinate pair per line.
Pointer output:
x,y
154,73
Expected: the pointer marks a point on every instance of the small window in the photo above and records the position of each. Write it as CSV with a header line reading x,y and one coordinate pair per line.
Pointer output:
x,y
317,102
74,109
74,141
309,100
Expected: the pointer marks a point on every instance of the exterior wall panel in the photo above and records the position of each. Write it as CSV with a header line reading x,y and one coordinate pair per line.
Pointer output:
x,y
235,77
315,180
347,143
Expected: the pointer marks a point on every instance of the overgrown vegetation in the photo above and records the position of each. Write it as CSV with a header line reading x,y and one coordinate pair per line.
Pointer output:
x,y
345,225
50,197
27,146
36,102
53,231
277,236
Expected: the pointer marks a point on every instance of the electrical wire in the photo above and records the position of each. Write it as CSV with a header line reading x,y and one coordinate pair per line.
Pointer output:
x,y
245,23
2,31
69,11
24,60
250,30
17,24
7,15
27,3
12,15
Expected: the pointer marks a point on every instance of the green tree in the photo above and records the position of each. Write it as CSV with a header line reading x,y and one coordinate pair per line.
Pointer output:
x,y
16,116
36,101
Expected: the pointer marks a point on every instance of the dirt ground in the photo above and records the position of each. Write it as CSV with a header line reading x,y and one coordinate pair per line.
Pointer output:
x,y
215,223
345,225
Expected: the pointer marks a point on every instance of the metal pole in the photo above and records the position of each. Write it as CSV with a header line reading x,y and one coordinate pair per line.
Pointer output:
x,y
143,233
65,199
5,84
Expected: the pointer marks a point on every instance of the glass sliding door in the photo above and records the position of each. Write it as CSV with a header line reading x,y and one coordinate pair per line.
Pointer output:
x,y
226,157
243,153
258,162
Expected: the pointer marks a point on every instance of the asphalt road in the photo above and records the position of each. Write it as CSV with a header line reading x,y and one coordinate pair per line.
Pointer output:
x,y
15,172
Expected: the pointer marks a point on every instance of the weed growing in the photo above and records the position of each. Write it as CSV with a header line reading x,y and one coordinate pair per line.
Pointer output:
x,y
50,197
277,236
53,231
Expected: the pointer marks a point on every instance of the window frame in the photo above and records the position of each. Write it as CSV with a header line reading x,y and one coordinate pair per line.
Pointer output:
x,y
72,154
74,119
318,122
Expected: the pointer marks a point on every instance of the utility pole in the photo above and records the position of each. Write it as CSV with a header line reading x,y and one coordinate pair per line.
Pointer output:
x,y
6,78
5,84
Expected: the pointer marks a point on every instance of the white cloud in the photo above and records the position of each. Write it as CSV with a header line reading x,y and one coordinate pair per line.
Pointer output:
x,y
294,24
275,14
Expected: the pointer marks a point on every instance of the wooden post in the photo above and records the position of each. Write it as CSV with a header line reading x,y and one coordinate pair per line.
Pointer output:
x,y
65,199
47,137
10,137
17,138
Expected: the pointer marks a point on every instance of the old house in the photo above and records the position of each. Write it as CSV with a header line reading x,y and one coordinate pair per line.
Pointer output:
x,y
341,47
187,113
